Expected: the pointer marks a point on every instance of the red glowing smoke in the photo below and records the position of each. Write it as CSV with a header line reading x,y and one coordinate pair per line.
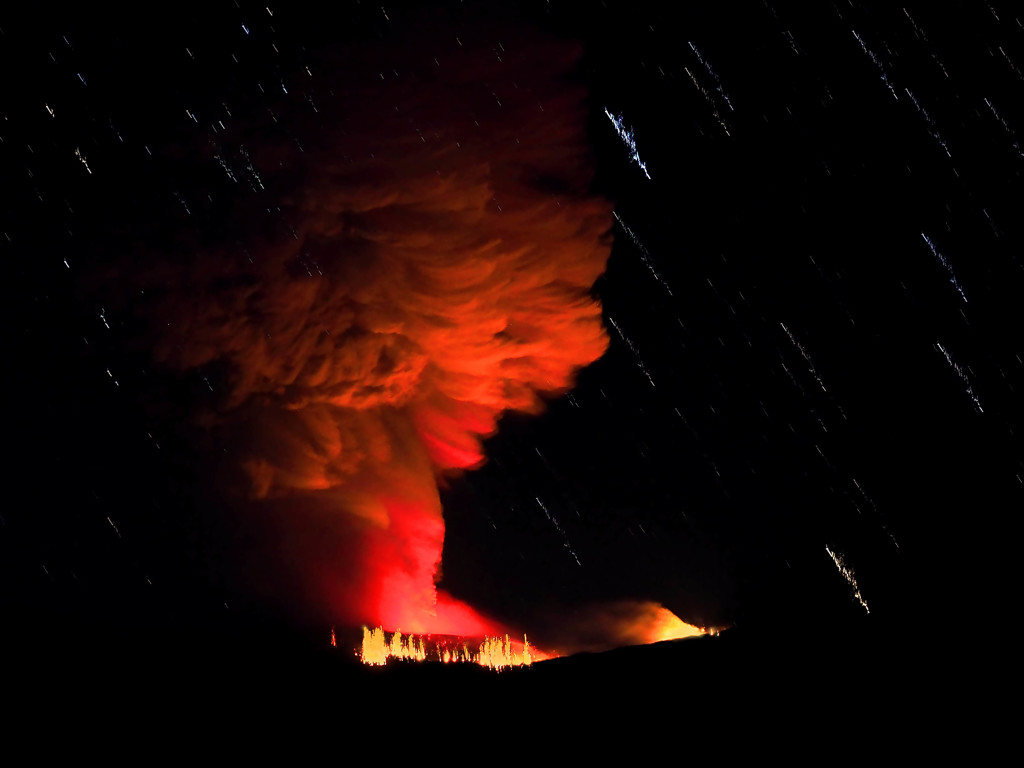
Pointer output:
x,y
432,269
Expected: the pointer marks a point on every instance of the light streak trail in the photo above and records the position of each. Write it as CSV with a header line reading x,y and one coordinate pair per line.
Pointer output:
x,y
946,264
644,253
932,128
714,75
806,357
632,346
878,63
874,507
565,538
1010,62
917,30
710,100
626,134
963,376
1006,127
813,371
847,573
81,158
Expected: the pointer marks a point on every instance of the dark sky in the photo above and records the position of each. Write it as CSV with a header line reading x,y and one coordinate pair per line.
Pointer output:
x,y
810,298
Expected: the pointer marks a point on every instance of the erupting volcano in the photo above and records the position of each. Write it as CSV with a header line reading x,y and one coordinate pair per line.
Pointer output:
x,y
505,330
418,263
415,264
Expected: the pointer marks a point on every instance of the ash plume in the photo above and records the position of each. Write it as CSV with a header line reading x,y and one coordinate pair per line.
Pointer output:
x,y
416,259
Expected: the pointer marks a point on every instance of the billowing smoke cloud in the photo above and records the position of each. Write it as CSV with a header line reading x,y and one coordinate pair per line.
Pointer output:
x,y
425,265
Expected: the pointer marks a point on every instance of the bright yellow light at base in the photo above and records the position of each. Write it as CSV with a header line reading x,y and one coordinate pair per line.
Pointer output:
x,y
494,652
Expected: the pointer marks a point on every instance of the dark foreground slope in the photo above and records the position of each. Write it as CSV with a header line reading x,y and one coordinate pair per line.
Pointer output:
x,y
855,679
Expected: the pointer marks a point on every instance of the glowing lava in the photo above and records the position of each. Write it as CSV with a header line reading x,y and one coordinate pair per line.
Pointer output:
x,y
668,626
609,626
493,652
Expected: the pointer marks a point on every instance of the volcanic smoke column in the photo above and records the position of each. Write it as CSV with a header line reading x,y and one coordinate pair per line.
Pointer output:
x,y
433,269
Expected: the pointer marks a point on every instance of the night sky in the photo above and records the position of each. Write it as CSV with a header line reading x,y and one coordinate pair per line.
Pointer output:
x,y
799,230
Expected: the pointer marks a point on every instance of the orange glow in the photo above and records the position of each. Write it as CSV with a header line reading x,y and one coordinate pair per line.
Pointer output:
x,y
601,627
425,264
668,626
499,654
611,625
375,647
494,652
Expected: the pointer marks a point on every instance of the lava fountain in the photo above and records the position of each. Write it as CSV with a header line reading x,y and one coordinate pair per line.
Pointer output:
x,y
493,652
610,625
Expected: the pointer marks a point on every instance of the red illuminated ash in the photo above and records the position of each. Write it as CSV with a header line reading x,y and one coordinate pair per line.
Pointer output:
x,y
419,264
422,264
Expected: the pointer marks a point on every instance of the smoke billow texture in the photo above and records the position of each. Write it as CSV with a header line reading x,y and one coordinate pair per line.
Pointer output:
x,y
421,265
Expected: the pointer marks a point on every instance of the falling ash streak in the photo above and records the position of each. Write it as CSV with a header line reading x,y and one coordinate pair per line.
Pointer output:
x,y
946,264
644,253
871,501
806,357
709,98
932,128
714,75
627,137
81,158
1006,126
922,35
565,538
810,366
1010,61
847,574
877,62
917,30
963,376
632,346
